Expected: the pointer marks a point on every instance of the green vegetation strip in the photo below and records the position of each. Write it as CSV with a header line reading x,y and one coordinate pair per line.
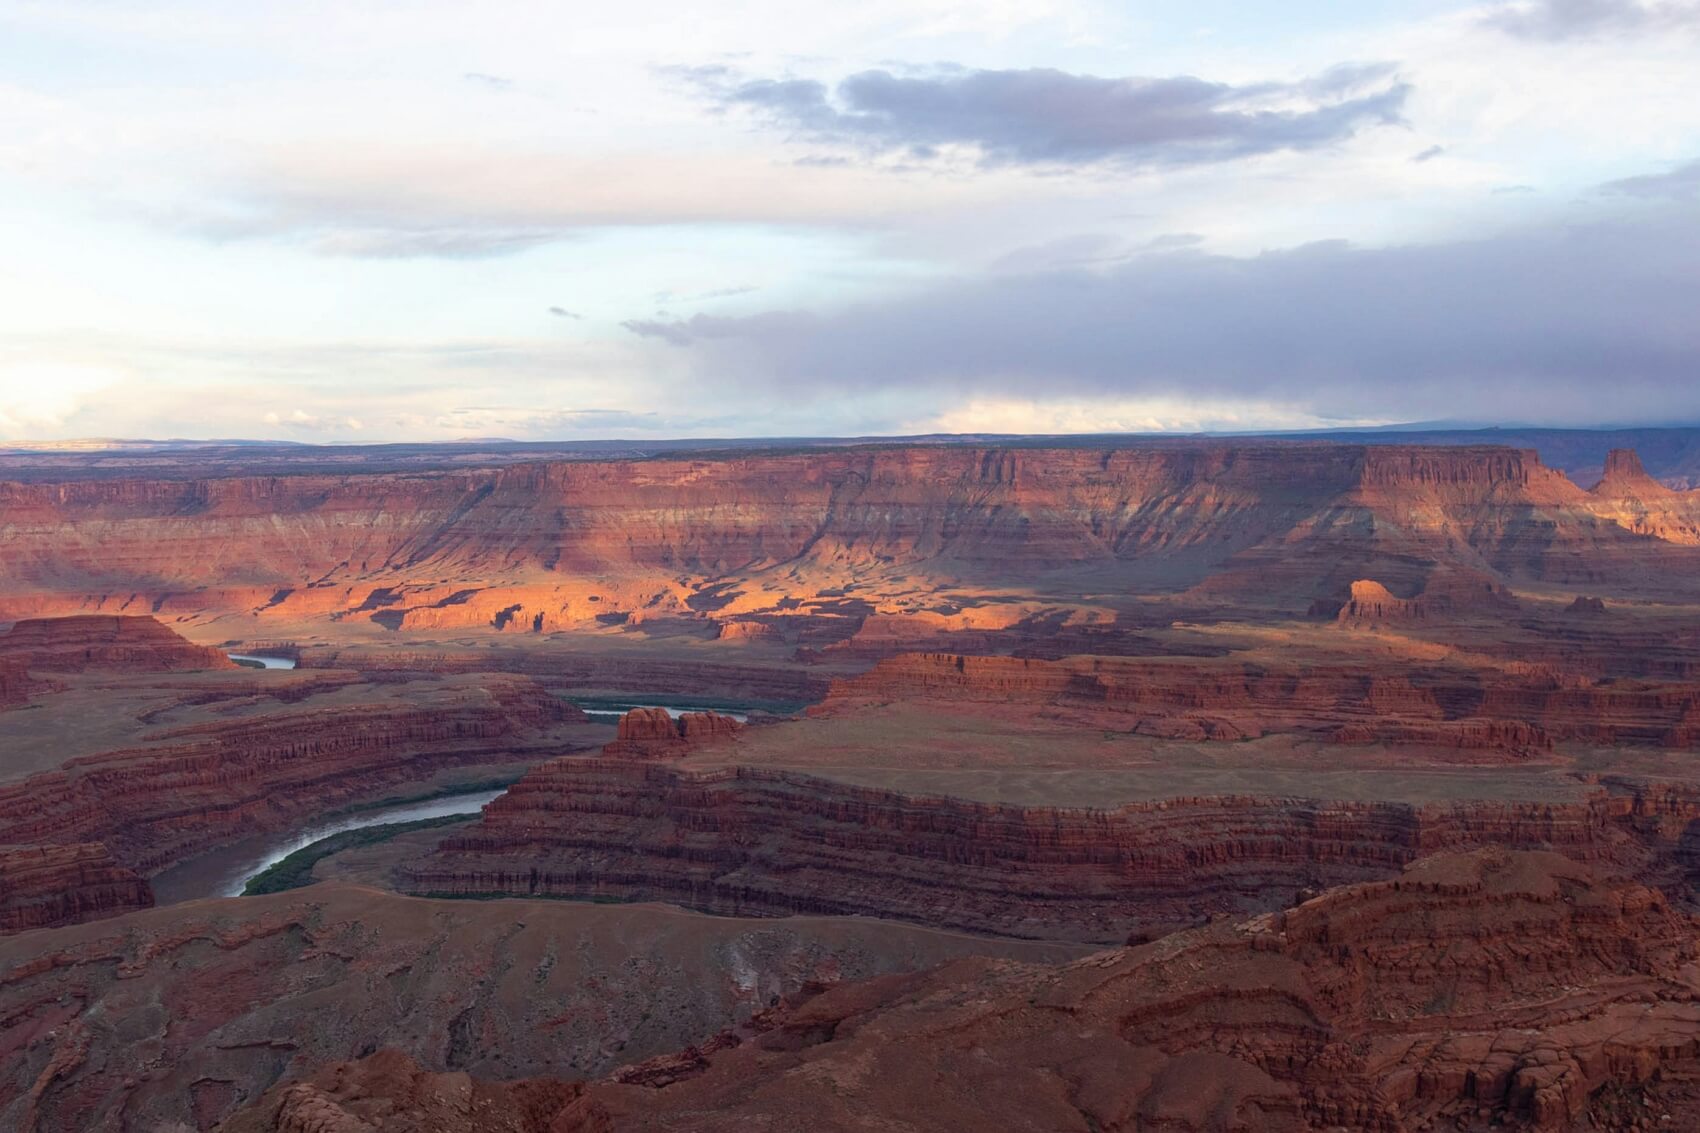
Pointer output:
x,y
296,870
501,783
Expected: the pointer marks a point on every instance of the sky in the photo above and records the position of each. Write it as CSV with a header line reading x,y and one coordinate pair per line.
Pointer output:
x,y
353,221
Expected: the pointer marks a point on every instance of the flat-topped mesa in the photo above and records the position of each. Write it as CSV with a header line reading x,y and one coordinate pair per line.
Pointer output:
x,y
596,544
106,643
753,841
1371,603
65,884
1471,467
652,733
1505,714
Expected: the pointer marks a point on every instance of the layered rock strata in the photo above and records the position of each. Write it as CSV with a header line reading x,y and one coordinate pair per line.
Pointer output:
x,y
1490,990
651,733
17,686
65,884
1504,710
197,785
80,644
538,548
747,841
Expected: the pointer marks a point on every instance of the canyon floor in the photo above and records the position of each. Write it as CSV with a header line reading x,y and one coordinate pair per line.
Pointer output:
x,y
1198,785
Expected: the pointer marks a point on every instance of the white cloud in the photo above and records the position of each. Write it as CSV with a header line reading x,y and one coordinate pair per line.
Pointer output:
x,y
42,396
1125,415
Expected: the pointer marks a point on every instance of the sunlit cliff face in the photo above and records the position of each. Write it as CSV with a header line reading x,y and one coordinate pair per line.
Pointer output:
x,y
1074,216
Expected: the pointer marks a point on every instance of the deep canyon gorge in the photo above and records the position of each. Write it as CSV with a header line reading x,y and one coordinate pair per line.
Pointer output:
x,y
1181,785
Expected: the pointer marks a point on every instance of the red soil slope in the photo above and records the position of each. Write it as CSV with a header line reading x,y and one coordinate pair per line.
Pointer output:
x,y
1485,990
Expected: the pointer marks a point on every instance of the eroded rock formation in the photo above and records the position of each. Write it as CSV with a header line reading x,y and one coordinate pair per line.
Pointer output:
x,y
1486,990
65,884
748,841
83,643
195,786
539,548
1504,710
649,733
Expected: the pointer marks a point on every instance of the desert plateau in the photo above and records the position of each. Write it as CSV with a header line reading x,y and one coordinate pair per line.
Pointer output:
x,y
916,566
1229,784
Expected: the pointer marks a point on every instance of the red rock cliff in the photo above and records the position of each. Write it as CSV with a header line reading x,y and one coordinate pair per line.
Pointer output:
x,y
65,884
1502,711
197,786
756,842
537,546
105,643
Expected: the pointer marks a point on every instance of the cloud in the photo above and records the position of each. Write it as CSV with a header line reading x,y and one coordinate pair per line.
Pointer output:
x,y
1555,20
436,243
489,82
396,201
40,396
1049,117
1681,183
300,421
1428,154
1166,414
563,313
1578,322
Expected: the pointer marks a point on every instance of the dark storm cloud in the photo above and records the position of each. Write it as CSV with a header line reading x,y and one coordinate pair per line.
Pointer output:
x,y
1044,116
1582,19
1681,183
1566,323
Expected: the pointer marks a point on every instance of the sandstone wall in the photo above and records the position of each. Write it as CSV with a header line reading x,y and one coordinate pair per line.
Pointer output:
x,y
754,841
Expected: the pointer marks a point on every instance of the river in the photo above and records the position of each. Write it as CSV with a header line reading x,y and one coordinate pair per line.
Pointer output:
x,y
622,707
265,662
224,871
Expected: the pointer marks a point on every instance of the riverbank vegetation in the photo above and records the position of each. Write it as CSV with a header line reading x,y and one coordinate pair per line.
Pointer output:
x,y
296,870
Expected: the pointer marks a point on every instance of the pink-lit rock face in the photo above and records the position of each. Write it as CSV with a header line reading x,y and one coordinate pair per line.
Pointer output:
x,y
99,642
541,548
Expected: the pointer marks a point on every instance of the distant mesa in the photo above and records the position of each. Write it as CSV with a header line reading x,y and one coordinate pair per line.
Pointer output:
x,y
105,642
1370,603
649,733
1624,475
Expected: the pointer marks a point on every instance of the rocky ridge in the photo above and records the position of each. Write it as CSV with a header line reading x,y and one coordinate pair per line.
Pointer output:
x,y
1488,990
540,548
757,841
1506,710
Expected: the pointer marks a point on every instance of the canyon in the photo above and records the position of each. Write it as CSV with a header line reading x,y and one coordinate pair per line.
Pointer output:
x,y
1275,722
1496,989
